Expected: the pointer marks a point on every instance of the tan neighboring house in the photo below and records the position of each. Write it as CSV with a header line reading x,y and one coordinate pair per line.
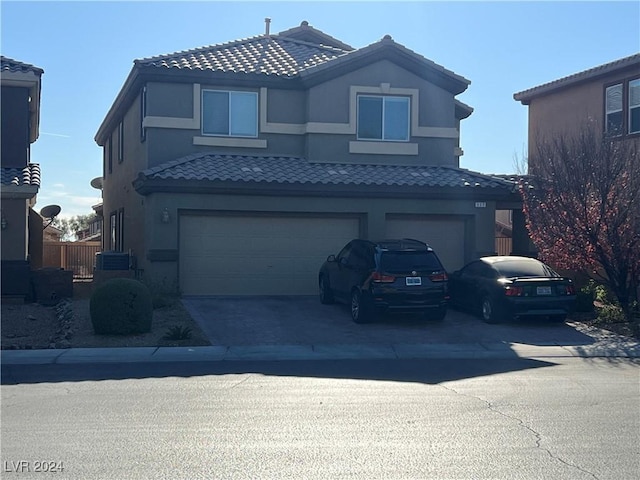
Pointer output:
x,y
21,225
52,233
238,168
607,95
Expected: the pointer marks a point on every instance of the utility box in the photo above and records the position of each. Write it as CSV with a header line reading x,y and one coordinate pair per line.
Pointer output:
x,y
112,261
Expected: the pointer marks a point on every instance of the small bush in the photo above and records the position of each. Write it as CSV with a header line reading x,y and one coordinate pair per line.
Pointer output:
x,y
177,332
611,314
121,306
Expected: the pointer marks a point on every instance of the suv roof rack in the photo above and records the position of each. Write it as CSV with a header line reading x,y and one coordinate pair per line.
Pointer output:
x,y
403,244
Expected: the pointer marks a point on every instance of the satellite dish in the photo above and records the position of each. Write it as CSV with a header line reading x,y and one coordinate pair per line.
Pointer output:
x,y
97,183
50,211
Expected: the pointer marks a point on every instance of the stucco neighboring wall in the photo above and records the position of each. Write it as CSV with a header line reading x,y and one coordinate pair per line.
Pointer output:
x,y
118,192
15,236
566,110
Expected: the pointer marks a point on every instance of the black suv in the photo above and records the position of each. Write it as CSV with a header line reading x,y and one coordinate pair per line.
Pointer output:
x,y
387,276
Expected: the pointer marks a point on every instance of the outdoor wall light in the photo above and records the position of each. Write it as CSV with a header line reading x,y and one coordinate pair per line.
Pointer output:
x,y
3,222
166,217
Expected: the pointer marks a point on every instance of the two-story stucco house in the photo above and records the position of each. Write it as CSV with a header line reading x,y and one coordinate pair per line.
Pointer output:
x,y
606,96
238,168
21,225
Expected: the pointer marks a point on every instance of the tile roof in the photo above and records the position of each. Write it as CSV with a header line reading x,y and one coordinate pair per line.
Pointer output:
x,y
589,74
296,170
27,176
270,55
10,65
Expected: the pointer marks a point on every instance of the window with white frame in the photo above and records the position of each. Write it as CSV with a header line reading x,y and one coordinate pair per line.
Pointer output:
x,y
613,109
622,108
634,106
229,113
383,118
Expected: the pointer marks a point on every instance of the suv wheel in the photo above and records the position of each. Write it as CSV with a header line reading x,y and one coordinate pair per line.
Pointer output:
x,y
326,297
359,311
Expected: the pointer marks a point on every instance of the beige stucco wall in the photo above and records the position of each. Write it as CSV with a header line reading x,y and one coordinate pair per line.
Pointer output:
x,y
479,231
118,191
15,237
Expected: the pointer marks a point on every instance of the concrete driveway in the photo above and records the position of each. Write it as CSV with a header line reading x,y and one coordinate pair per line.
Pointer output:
x,y
304,321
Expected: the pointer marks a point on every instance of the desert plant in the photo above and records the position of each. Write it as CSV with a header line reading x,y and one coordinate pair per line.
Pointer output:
x,y
121,306
177,332
611,314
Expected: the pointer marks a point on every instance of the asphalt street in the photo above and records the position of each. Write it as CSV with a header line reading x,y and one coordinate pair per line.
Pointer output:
x,y
517,418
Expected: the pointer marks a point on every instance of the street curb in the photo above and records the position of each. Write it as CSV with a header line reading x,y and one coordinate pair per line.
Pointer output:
x,y
316,352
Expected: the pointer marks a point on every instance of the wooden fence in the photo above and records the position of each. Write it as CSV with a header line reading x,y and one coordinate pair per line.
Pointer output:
x,y
503,245
80,257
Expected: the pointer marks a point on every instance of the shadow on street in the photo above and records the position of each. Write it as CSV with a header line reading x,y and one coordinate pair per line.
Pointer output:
x,y
428,371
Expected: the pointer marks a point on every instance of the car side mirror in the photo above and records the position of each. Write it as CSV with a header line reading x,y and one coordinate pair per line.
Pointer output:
x,y
331,258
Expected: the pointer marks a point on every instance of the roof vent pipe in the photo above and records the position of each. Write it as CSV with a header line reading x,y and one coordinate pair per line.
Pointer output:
x,y
267,22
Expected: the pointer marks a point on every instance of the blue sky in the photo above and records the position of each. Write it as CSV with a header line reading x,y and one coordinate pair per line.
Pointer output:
x,y
87,50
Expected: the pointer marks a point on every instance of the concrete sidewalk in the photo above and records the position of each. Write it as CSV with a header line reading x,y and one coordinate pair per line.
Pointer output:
x,y
316,352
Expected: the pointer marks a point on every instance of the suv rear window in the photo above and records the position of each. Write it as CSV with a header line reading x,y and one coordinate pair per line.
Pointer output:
x,y
408,261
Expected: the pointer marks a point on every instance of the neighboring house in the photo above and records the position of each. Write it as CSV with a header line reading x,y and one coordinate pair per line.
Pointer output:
x,y
21,225
238,168
93,232
52,233
608,96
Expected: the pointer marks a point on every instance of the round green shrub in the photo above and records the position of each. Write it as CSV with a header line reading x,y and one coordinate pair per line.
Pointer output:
x,y
121,306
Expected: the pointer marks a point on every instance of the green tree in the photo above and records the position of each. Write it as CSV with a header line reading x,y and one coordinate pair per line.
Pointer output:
x,y
72,226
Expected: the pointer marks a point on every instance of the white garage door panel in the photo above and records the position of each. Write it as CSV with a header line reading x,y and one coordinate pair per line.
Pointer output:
x,y
243,255
446,236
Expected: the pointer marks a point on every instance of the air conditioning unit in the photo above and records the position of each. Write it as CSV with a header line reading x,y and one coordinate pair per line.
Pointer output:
x,y
112,261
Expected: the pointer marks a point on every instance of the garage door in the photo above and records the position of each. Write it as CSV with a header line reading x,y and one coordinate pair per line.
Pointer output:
x,y
444,234
251,255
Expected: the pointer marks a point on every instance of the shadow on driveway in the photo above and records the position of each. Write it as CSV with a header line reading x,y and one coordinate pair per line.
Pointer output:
x,y
303,320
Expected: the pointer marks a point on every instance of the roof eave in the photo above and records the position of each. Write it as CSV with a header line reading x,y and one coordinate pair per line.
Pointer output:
x,y
145,186
19,191
579,78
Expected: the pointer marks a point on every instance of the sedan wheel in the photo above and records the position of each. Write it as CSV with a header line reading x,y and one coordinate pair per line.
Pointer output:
x,y
359,313
326,297
489,313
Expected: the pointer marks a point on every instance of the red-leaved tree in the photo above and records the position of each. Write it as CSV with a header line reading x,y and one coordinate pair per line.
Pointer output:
x,y
582,206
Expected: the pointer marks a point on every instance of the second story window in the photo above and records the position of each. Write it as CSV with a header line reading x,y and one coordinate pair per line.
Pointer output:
x,y
622,108
228,113
634,106
383,118
613,109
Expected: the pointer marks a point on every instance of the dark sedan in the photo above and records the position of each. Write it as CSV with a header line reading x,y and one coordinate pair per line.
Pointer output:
x,y
505,287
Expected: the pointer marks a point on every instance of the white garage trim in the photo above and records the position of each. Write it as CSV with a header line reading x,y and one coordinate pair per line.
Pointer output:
x,y
444,233
258,254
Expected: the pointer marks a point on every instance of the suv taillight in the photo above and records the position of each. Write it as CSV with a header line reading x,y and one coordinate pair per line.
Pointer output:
x,y
439,277
381,278
570,290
